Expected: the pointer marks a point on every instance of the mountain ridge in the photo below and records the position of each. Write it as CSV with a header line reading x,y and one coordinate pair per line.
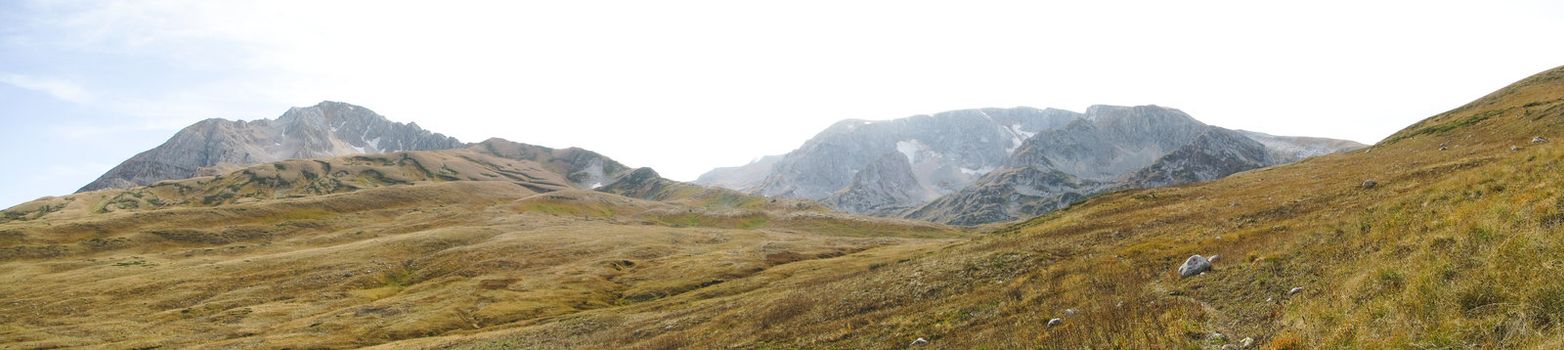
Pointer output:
x,y
213,146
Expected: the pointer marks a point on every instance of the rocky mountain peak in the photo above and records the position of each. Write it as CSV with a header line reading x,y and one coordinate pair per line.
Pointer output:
x,y
323,130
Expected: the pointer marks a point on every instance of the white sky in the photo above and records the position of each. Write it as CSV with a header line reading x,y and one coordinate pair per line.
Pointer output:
x,y
685,86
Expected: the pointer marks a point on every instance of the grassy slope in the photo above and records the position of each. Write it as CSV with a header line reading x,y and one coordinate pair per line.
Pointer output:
x,y
309,254
1453,249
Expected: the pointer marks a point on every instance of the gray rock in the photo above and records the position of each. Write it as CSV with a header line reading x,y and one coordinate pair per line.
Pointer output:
x,y
1514,148
919,341
1055,322
1195,265
978,166
884,187
946,150
327,129
1069,312
1246,343
1294,290
1370,184
1112,148
1538,139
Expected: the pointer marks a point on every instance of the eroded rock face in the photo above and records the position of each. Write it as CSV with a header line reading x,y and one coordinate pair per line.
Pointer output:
x,y
980,166
1111,148
324,130
884,187
944,151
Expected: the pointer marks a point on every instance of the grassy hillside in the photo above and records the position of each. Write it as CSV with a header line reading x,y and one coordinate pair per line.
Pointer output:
x,y
1452,248
1458,248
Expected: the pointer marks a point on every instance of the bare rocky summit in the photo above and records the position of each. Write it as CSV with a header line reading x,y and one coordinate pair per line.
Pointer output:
x,y
979,166
1115,147
944,153
216,146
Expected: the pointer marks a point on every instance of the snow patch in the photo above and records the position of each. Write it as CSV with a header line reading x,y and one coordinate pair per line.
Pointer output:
x,y
911,149
375,143
1017,137
978,171
595,185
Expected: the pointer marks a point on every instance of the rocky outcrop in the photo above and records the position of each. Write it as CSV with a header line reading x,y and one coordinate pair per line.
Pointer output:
x,y
1214,155
215,146
885,187
1113,147
945,152
1009,194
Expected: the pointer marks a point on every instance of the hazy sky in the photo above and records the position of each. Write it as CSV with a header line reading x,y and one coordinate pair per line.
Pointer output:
x,y
684,86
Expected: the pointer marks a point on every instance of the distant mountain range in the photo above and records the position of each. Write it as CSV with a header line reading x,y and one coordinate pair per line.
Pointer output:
x,y
964,167
216,146
980,166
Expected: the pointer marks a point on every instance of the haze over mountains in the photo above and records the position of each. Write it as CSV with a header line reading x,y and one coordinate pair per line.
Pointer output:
x,y
980,166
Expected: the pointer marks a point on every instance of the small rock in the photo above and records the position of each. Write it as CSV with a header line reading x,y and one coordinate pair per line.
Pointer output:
x,y
1370,184
1442,147
1069,312
1294,290
1055,322
919,341
1270,300
1195,265
1216,337
1246,343
1515,148
1538,139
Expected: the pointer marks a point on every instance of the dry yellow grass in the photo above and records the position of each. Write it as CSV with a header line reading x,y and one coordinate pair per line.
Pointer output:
x,y
1452,249
378,265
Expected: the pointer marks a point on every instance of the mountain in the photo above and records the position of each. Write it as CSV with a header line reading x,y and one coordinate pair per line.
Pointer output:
x,y
945,152
215,146
741,178
884,187
1114,147
1457,246
1453,249
381,247
948,156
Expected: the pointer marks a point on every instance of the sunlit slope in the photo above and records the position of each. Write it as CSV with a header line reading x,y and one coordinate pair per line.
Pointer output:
x,y
1453,248
356,251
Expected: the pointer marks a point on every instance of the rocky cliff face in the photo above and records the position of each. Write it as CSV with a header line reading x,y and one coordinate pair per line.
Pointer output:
x,y
944,151
987,165
884,187
1214,155
215,146
1114,147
